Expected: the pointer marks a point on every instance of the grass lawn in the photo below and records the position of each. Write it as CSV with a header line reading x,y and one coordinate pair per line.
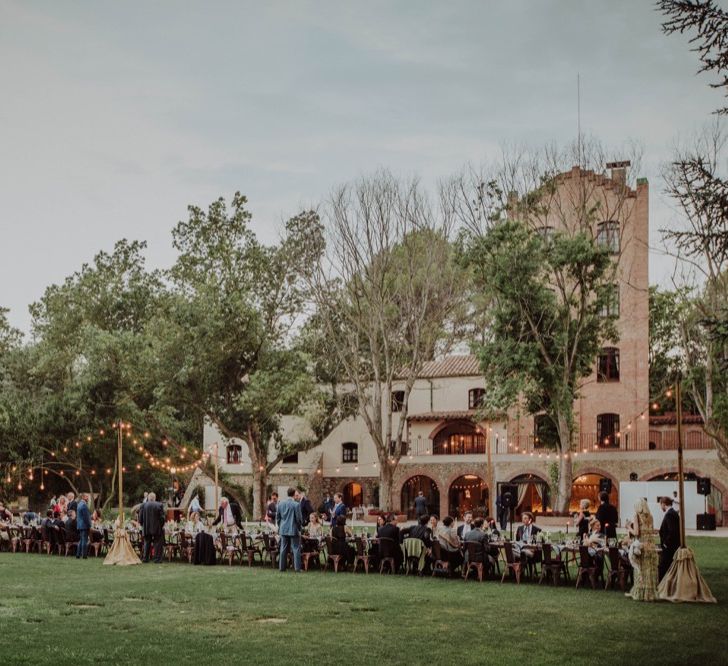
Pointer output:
x,y
62,611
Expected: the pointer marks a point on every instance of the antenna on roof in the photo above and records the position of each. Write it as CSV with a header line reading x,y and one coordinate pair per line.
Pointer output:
x,y
578,116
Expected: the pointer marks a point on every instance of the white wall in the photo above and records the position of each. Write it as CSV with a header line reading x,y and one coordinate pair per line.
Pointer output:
x,y
631,491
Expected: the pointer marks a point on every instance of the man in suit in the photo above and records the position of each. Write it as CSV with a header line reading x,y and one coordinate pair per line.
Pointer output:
x,y
272,508
420,505
669,535
290,522
466,526
502,511
83,524
607,516
525,534
306,506
339,508
151,517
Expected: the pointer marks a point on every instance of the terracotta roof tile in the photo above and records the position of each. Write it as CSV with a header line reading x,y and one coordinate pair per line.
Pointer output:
x,y
670,418
465,415
451,366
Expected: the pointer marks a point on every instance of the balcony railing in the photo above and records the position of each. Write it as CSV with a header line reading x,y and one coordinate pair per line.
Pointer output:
x,y
583,443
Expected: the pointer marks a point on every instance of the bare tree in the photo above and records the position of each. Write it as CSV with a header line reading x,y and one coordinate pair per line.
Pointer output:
x,y
695,181
386,291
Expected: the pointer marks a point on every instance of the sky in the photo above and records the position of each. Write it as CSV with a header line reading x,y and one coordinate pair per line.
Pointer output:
x,y
114,116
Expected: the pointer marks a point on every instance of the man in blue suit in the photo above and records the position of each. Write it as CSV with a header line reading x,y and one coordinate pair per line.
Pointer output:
x,y
83,524
289,521
339,508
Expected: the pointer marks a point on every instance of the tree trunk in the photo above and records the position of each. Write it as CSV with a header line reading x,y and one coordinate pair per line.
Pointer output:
x,y
386,484
260,488
563,488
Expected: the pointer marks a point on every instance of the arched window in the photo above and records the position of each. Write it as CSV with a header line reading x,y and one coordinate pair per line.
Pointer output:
x,y
608,236
234,454
608,365
349,452
459,439
475,398
608,430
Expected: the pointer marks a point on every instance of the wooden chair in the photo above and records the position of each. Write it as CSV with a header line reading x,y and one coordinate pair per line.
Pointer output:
x,y
171,546
331,556
387,554
476,560
310,550
552,566
587,567
513,563
30,537
186,547
44,543
270,548
619,570
362,556
249,550
227,548
439,565
99,544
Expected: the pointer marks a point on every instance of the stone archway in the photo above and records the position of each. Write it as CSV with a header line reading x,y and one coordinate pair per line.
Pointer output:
x,y
467,492
412,486
586,486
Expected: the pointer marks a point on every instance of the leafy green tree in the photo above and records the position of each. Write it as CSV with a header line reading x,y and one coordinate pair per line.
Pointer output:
x,y
546,295
224,342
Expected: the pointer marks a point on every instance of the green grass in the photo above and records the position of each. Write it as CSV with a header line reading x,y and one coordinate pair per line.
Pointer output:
x,y
62,611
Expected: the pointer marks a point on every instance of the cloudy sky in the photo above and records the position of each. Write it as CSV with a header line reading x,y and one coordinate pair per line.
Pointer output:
x,y
115,115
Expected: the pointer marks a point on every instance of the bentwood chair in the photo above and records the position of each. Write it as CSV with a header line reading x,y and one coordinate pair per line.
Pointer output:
x,y
45,543
587,567
362,556
439,564
619,570
270,548
249,550
513,563
387,554
331,556
552,566
476,560
228,550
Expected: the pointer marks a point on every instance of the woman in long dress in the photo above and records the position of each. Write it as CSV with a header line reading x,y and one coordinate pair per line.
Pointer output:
x,y
643,554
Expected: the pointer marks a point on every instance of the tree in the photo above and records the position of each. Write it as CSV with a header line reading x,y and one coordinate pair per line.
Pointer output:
x,y
695,180
709,23
386,290
546,327
223,344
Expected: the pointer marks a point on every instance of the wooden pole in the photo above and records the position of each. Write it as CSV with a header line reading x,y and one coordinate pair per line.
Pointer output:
x,y
217,455
120,470
680,472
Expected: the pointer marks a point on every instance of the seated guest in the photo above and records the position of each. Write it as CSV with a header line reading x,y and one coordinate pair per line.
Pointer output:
x,y
433,525
51,529
466,526
447,537
491,528
339,545
525,535
595,540
390,531
478,535
315,528
96,519
581,520
71,527
419,531
195,525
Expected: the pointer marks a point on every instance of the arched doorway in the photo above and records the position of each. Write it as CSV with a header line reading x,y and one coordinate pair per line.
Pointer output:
x,y
458,438
412,486
586,486
533,494
468,493
353,495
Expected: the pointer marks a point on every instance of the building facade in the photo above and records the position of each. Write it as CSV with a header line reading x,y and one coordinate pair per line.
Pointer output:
x,y
457,461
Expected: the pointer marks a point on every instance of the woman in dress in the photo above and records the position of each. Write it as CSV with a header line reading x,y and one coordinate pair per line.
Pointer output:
x,y
642,554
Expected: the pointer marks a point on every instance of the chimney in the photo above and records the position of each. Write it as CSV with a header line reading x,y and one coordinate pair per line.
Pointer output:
x,y
618,171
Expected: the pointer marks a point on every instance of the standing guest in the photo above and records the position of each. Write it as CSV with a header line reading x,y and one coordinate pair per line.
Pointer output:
x,y
5,514
83,523
502,511
339,545
466,526
71,503
339,508
669,535
420,505
582,519
226,514
52,503
607,516
328,506
306,507
271,509
642,553
290,522
151,517
195,507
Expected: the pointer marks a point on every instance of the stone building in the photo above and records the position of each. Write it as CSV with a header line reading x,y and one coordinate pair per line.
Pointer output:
x,y
458,461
